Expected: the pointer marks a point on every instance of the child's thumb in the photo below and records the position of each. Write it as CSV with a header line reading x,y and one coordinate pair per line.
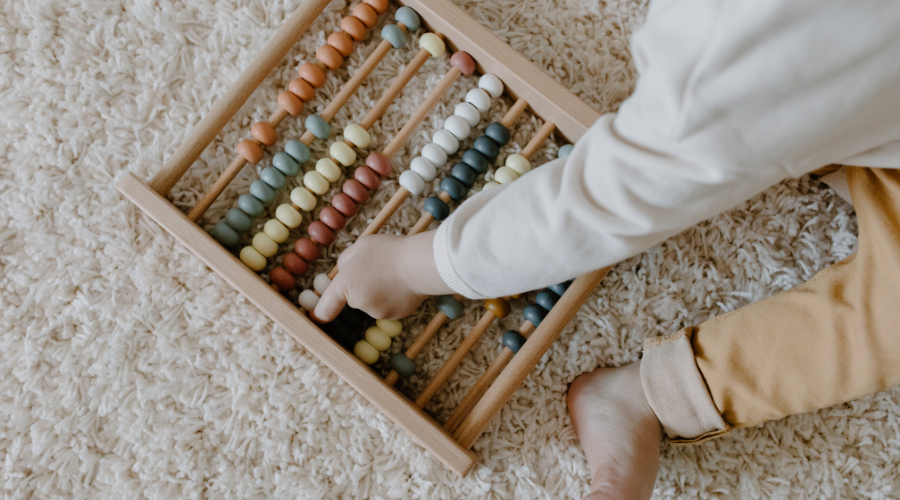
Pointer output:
x,y
331,303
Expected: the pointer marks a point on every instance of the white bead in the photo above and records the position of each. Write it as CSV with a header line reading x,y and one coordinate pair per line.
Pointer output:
x,y
468,113
435,154
446,141
480,99
308,299
505,175
412,182
491,84
489,185
424,168
518,163
321,282
457,126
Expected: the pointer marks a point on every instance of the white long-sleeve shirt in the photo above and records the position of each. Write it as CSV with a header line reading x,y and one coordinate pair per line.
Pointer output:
x,y
733,96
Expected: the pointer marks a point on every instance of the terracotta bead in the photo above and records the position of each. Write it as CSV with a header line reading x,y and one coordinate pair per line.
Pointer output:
x,y
250,151
302,89
332,218
290,103
366,14
306,249
354,27
345,204
499,307
380,6
264,133
380,164
321,233
368,177
282,279
329,56
341,42
312,74
463,62
356,190
294,264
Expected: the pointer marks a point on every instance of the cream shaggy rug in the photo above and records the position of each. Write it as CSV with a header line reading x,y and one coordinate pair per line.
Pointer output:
x,y
129,370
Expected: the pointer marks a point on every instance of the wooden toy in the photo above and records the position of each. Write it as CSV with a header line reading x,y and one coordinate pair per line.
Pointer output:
x,y
443,29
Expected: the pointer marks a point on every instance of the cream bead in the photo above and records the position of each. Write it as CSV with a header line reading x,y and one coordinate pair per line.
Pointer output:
x,y
265,245
321,282
458,127
468,113
433,44
489,185
315,182
435,154
447,141
390,326
424,168
357,135
480,99
253,259
329,169
288,216
504,175
412,182
303,199
308,299
343,153
366,353
276,231
491,84
518,163
378,338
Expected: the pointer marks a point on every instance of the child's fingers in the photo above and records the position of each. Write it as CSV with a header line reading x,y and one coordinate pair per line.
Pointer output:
x,y
331,303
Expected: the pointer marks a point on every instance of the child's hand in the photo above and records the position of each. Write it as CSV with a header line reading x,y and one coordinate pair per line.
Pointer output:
x,y
385,276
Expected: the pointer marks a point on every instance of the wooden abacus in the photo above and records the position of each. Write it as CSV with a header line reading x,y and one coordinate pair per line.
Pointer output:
x,y
478,50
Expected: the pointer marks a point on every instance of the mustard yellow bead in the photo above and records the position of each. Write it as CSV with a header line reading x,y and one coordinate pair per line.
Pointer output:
x,y
329,170
288,216
253,259
276,231
518,163
389,326
433,44
314,181
303,199
343,153
504,175
265,245
489,185
357,135
366,353
378,338
499,307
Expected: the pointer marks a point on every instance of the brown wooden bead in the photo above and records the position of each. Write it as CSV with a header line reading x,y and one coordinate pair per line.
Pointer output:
x,y
368,177
290,103
463,62
302,89
312,74
499,307
332,218
264,133
282,279
380,164
341,42
345,204
366,14
250,151
295,264
356,190
354,27
307,249
329,56
380,6
321,232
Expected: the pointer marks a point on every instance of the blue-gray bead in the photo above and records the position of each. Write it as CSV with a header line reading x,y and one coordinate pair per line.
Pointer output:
x,y
224,234
486,146
513,340
394,35
238,220
546,299
565,151
250,205
297,150
535,314
408,18
476,160
437,208
449,306
560,288
404,366
498,133
262,192
464,173
272,177
285,164
457,190
318,126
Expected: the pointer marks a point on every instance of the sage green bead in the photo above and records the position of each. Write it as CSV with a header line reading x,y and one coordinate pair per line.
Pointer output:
x,y
250,205
297,150
272,177
449,306
404,366
394,35
408,17
262,192
238,220
224,234
286,164
318,126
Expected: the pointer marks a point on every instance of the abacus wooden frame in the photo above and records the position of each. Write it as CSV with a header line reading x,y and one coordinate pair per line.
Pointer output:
x,y
548,99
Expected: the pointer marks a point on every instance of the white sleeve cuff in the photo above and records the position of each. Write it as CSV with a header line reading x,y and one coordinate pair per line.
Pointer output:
x,y
445,266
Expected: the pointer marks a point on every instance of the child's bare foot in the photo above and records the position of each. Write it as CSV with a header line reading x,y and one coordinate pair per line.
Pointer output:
x,y
618,430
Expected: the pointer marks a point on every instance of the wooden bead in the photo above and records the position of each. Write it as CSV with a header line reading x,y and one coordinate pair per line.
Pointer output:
x,y
282,279
380,164
341,42
389,326
312,74
345,205
356,190
328,169
306,249
366,14
264,133
332,218
357,135
303,199
463,62
499,307
505,175
290,103
378,338
265,245
329,56
343,153
315,182
433,44
321,233
366,353
380,6
367,177
294,264
253,259
354,27
276,231
250,151
302,89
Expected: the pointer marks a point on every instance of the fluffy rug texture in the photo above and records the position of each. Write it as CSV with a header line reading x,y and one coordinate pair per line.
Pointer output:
x,y
129,370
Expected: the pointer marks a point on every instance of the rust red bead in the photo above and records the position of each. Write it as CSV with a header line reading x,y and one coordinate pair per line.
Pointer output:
x,y
332,218
307,249
380,164
295,264
463,62
367,177
345,205
356,191
321,233
282,279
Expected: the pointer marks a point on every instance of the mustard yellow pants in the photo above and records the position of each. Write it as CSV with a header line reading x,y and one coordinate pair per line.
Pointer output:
x,y
831,340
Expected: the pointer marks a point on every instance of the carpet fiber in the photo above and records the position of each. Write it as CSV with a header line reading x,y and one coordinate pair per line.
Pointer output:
x,y
129,370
